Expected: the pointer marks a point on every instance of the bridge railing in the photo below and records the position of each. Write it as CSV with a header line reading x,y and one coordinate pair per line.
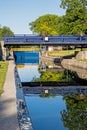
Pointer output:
x,y
32,39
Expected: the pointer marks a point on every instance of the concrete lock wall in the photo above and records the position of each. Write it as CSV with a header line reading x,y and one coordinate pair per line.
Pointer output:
x,y
76,61
81,55
2,51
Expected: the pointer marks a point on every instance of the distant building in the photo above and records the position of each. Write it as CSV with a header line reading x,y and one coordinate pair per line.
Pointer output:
x,y
58,48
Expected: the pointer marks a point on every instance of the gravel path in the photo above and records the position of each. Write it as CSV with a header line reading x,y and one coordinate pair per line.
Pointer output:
x,y
8,109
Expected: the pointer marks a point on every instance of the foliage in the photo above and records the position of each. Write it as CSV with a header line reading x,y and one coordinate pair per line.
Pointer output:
x,y
84,60
46,25
60,76
75,115
47,95
5,31
3,70
75,20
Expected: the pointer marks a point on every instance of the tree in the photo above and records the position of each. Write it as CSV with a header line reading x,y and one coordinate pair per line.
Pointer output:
x,y
46,25
5,31
74,117
75,20
60,76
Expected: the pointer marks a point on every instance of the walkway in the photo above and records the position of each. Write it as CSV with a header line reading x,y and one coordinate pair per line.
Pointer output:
x,y
8,111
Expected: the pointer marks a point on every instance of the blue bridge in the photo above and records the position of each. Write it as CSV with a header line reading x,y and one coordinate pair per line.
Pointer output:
x,y
32,40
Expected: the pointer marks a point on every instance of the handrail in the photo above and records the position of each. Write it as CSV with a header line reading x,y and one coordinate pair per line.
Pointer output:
x,y
48,40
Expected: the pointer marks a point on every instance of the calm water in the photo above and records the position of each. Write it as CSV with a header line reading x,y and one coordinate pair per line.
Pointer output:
x,y
59,112
52,110
45,112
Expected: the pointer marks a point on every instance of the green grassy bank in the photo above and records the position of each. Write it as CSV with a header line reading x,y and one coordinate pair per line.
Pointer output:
x,y
3,70
63,52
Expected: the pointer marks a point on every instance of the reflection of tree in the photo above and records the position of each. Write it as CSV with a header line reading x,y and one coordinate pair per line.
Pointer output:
x,y
60,76
48,95
75,115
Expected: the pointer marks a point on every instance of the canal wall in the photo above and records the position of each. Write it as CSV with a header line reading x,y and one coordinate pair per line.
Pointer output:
x,y
82,73
5,53
81,55
2,51
76,61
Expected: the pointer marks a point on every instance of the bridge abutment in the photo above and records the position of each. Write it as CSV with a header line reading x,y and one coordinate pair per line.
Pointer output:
x,y
4,52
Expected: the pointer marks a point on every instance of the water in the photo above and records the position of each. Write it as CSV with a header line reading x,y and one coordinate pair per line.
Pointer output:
x,y
28,73
52,107
58,113
45,112
23,57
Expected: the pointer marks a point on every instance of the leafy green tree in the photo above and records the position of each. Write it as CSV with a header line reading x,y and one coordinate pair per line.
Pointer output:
x,y
74,117
75,20
46,25
5,31
60,76
47,95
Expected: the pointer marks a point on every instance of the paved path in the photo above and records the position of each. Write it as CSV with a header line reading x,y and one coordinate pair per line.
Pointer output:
x,y
8,111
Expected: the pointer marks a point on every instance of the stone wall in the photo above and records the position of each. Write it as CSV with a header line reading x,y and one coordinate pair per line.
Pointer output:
x,y
2,51
82,73
81,55
76,61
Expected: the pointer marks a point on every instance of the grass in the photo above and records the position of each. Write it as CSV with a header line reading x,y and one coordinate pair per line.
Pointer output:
x,y
62,52
3,70
85,60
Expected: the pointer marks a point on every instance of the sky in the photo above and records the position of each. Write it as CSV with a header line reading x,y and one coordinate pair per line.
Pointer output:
x,y
17,14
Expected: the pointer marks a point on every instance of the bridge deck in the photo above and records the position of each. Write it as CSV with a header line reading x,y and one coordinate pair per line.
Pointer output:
x,y
41,40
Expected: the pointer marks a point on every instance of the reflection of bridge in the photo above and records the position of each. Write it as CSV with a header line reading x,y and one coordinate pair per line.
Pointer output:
x,y
41,40
55,90
26,57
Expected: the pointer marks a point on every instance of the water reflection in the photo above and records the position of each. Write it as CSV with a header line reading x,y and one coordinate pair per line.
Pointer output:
x,y
68,111
28,73
56,76
75,114
32,73
82,73
26,57
51,102
45,112
42,70
59,76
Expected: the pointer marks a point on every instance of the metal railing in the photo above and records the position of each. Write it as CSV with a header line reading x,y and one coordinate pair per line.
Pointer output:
x,y
48,40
